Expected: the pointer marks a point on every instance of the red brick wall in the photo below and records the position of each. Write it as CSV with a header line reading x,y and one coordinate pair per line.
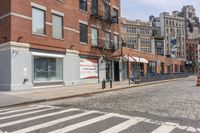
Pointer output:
x,y
4,22
153,57
72,15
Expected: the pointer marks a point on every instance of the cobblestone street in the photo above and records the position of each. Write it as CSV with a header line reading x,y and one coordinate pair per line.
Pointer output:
x,y
171,107
176,101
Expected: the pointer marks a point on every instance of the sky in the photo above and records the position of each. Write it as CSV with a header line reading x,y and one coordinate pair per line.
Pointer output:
x,y
142,9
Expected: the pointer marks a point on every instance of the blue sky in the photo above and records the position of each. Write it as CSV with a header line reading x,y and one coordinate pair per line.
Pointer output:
x,y
142,9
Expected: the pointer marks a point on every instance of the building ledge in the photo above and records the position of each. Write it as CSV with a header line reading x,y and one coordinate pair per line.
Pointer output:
x,y
69,51
14,44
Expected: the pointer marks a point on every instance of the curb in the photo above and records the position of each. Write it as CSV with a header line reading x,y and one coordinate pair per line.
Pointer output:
x,y
90,93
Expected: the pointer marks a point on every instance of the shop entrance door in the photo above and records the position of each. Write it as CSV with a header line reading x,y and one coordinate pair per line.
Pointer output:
x,y
116,71
108,70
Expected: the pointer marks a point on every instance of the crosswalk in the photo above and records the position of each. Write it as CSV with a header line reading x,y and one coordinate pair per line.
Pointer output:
x,y
53,119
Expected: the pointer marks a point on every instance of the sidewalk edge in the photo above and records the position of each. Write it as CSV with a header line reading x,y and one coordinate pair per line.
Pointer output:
x,y
90,93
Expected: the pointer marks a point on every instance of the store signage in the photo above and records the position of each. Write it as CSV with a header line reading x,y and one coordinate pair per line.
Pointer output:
x,y
88,68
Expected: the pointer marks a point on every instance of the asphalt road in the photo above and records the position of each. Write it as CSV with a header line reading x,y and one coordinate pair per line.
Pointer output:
x,y
172,107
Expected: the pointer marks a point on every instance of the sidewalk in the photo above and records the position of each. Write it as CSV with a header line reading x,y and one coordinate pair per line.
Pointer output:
x,y
47,94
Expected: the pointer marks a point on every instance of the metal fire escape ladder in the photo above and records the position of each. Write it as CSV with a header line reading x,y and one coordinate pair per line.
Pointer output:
x,y
100,9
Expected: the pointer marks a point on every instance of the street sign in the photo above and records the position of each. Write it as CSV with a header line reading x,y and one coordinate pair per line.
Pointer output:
x,y
173,41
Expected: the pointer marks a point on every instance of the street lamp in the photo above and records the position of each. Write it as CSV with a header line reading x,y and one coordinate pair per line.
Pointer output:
x,y
139,48
129,80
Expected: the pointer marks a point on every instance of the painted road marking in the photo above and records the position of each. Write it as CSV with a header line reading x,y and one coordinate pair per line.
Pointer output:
x,y
35,118
27,113
14,108
164,129
24,109
82,124
121,127
47,124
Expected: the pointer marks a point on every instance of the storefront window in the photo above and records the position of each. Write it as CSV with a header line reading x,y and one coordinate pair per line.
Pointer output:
x,y
152,67
48,69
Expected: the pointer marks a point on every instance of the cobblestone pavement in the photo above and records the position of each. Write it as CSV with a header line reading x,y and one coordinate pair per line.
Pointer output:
x,y
177,101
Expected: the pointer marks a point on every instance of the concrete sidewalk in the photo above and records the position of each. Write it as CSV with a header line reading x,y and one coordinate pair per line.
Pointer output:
x,y
47,94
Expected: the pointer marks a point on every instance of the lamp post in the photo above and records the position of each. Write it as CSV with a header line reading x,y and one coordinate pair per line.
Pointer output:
x,y
139,48
129,80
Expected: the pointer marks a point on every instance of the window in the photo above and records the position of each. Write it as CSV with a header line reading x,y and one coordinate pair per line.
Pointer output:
x,y
166,22
95,7
107,41
95,37
106,10
57,26
83,5
48,69
152,67
83,33
115,15
116,41
38,21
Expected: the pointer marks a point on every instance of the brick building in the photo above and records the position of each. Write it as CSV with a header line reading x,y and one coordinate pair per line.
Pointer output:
x,y
66,42
192,52
58,42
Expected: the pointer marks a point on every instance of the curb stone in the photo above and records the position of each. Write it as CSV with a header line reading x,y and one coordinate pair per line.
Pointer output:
x,y
90,93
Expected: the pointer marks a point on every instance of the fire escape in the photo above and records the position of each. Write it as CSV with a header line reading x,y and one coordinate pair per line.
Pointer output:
x,y
101,15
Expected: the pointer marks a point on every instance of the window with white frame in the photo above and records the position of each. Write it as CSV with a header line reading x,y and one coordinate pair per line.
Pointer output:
x,y
95,36
116,41
57,26
107,40
38,21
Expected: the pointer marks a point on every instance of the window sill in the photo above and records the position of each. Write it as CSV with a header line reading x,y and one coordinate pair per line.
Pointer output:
x,y
83,11
61,39
41,35
53,81
83,43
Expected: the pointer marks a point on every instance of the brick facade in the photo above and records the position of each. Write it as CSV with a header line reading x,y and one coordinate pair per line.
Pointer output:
x,y
192,55
21,25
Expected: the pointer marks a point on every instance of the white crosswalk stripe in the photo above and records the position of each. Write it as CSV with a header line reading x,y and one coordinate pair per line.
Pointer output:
x,y
121,127
82,124
47,124
161,127
164,129
24,109
13,108
35,118
27,113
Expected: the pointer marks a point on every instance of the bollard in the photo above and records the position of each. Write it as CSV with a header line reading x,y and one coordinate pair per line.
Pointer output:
x,y
111,83
198,81
104,84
